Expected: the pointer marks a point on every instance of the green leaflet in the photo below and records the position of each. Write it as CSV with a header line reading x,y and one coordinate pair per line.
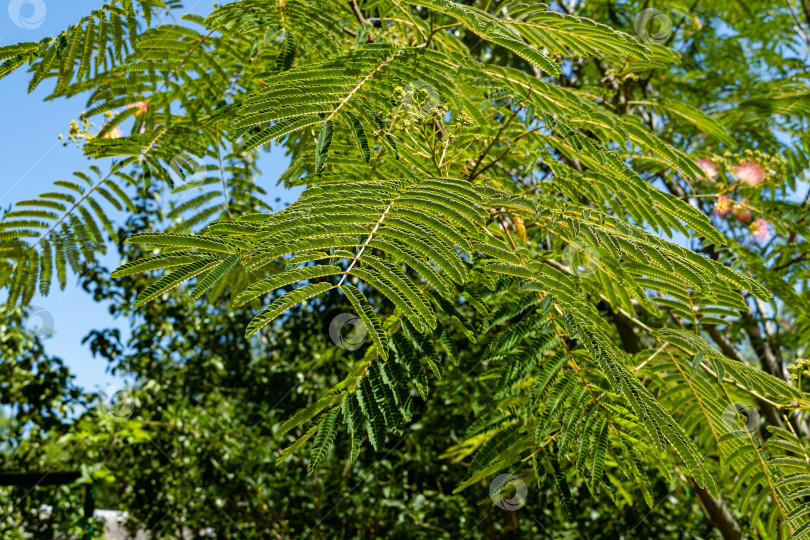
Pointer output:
x,y
283,303
290,450
576,412
403,287
286,57
214,276
367,215
510,269
561,391
375,423
394,295
657,420
406,256
172,280
752,379
327,429
397,390
569,34
283,279
491,29
695,116
498,253
353,419
406,356
429,247
366,313
307,414
448,344
562,484
386,400
484,473
205,243
323,146
63,226
492,449
360,137
599,453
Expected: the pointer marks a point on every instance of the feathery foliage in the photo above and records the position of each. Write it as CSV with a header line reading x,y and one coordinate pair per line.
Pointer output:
x,y
453,198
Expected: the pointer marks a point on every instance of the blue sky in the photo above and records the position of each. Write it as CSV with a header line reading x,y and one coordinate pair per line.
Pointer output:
x,y
33,158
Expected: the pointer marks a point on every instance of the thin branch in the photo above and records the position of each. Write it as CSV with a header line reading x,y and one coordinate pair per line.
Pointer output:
x,y
492,143
357,13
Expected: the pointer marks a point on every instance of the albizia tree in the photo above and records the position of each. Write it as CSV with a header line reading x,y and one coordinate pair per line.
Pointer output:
x,y
614,240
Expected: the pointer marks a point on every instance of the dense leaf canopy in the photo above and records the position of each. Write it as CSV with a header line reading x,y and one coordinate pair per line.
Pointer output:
x,y
571,240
